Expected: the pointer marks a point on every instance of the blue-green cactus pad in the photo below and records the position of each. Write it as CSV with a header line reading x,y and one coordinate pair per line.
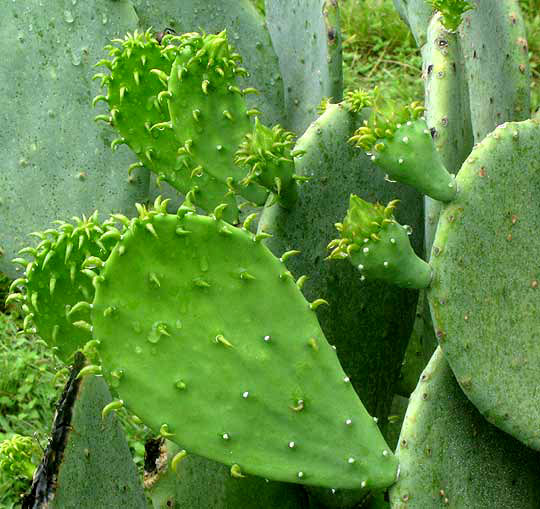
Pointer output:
x,y
307,39
55,161
485,295
205,331
450,456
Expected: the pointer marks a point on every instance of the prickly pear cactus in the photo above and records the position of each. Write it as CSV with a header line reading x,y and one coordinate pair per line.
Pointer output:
x,y
450,456
139,67
362,320
246,376
488,332
87,463
55,162
209,112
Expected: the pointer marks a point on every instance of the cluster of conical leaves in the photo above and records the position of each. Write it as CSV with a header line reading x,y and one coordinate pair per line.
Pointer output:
x,y
363,221
452,11
269,156
357,100
383,124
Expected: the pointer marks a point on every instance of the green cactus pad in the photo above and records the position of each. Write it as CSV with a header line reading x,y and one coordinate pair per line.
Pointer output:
x,y
368,322
87,463
55,161
401,145
307,39
200,483
204,331
484,295
58,277
209,113
137,68
379,246
268,155
452,12
450,456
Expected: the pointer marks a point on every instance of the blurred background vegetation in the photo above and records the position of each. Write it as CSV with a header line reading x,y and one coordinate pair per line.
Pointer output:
x,y
378,50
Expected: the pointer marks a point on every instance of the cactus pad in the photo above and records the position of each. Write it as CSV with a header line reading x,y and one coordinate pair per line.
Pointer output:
x,y
484,295
379,246
450,456
268,155
55,161
60,275
209,112
87,463
204,331
200,483
400,143
137,69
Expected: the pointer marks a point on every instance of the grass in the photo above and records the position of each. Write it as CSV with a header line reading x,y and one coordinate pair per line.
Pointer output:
x,y
379,50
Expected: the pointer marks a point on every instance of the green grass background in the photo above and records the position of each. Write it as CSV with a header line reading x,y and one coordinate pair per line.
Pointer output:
x,y
378,50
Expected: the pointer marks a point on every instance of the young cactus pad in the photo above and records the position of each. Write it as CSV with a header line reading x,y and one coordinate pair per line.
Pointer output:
x,y
400,143
267,153
136,87
206,337
209,112
484,295
379,246
60,275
